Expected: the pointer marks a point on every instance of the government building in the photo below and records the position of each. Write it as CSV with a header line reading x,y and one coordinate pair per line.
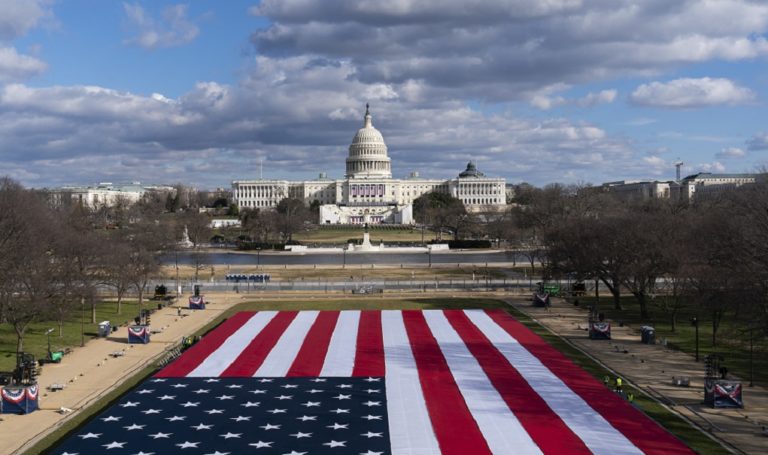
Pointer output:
x,y
368,193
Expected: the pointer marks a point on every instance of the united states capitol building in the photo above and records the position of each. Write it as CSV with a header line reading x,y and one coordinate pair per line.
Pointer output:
x,y
368,193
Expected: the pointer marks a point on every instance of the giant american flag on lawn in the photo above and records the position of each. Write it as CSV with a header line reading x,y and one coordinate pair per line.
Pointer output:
x,y
372,382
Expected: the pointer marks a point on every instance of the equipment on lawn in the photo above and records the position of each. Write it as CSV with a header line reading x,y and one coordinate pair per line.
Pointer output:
x,y
720,392
599,328
541,300
196,302
138,334
552,289
647,335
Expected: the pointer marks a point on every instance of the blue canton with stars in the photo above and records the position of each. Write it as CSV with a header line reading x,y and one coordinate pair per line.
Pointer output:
x,y
218,416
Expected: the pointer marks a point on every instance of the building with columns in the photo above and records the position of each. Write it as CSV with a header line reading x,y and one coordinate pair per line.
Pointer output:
x,y
368,193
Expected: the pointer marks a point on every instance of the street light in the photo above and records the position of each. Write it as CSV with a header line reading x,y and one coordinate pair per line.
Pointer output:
x,y
695,323
429,255
82,321
344,258
48,334
258,258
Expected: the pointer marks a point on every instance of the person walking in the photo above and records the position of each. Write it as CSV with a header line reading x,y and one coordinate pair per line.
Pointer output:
x,y
618,385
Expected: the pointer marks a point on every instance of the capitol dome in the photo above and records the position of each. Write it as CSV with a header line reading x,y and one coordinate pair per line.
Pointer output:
x,y
368,152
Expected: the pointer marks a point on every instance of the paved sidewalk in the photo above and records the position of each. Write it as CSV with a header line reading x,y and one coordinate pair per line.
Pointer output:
x,y
651,368
90,372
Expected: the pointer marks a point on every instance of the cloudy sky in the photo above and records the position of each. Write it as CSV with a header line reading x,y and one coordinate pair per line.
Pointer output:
x,y
533,90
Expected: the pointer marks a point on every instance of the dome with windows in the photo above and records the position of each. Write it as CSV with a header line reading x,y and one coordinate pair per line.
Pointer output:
x,y
368,152
471,171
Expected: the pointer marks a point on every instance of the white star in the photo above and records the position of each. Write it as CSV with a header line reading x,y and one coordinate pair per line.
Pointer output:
x,y
371,435
234,386
371,452
370,417
277,411
111,419
225,397
218,453
335,443
372,403
180,386
159,435
372,379
309,404
261,444
158,380
202,426
190,404
317,380
199,391
340,411
143,391
134,427
373,390
284,397
187,445
240,418
345,386
73,453
305,418
114,445
338,426
257,391
130,404
175,418
211,380
251,404
229,435
214,411
141,452
265,380
166,397
289,386
269,426
293,452
90,435
300,435
314,391
341,396
151,411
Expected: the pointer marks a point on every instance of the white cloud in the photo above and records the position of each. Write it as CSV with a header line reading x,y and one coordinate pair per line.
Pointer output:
x,y
758,142
690,93
18,16
730,152
601,97
437,42
545,99
14,66
173,28
714,167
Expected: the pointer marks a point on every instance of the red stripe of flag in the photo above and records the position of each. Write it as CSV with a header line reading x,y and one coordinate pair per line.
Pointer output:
x,y
545,427
206,346
455,428
651,439
369,354
251,358
309,360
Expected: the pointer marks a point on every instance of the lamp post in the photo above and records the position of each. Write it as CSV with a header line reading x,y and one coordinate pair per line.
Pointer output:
x,y
258,258
695,323
344,258
82,321
48,334
429,256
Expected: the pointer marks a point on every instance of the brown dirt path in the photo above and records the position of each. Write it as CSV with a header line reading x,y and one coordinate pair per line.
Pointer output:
x,y
651,368
90,372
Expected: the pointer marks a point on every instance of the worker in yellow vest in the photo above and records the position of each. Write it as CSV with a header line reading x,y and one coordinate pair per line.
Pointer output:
x,y
618,384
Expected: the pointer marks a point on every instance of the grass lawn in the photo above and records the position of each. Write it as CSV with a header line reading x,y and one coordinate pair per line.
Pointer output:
x,y
731,343
677,426
36,342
